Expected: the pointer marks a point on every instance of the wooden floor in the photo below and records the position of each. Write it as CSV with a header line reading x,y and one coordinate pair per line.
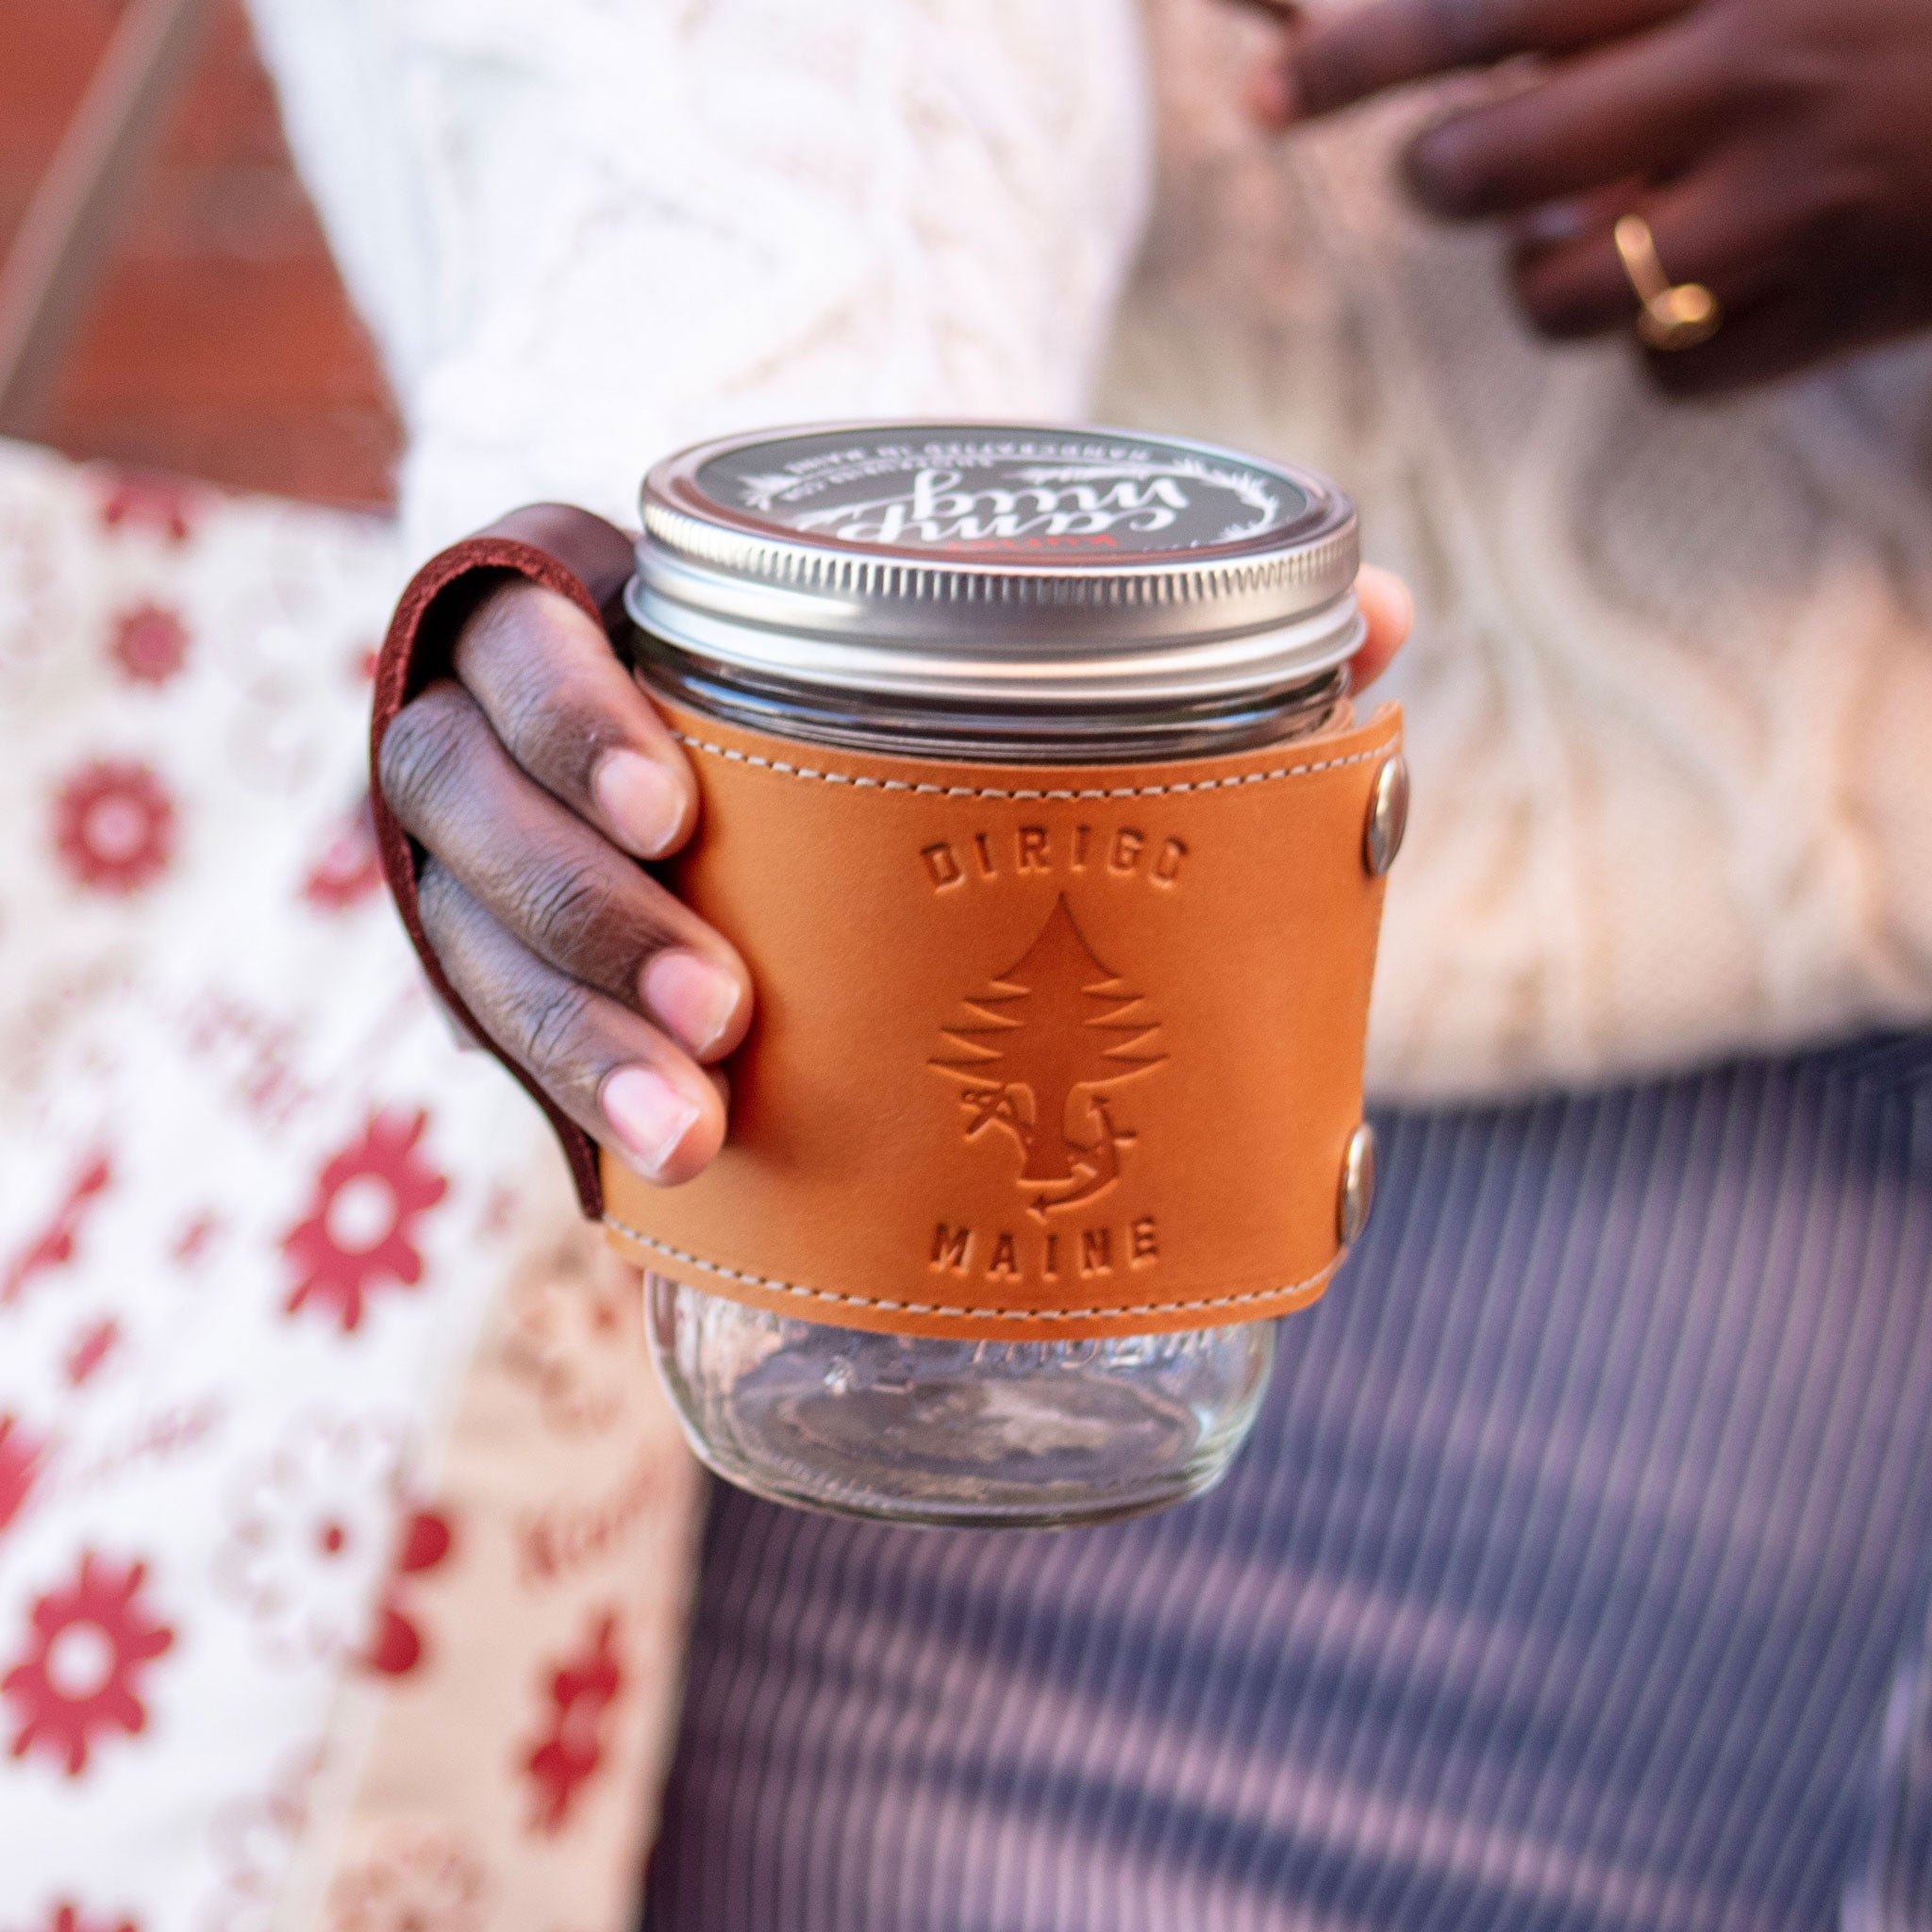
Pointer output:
x,y
220,343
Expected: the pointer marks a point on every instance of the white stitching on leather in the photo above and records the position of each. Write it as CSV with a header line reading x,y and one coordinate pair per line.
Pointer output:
x,y
864,1301
859,783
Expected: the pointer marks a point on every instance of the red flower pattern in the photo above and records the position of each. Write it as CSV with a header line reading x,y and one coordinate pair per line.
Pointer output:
x,y
350,870
397,1647
91,1347
254,1840
431,1883
565,1759
67,1918
361,1227
53,1247
20,1466
133,500
96,1651
115,827
150,643
76,1680
192,1244
311,1536
574,1338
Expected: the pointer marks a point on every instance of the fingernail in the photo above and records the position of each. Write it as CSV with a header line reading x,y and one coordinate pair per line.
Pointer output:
x,y
642,800
696,1000
1272,95
649,1116
1555,222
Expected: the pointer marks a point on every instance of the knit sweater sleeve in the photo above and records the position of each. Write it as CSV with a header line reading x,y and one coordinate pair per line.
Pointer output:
x,y
584,233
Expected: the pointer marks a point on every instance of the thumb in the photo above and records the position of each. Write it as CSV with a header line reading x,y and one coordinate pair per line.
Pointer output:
x,y
1389,612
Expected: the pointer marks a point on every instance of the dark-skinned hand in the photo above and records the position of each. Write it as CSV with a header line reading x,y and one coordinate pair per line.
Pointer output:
x,y
536,779
1781,151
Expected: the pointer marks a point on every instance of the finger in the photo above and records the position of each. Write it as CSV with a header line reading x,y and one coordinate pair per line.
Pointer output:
x,y
613,1073
1790,333
573,717
551,882
1735,228
1644,108
1389,612
1556,224
1360,51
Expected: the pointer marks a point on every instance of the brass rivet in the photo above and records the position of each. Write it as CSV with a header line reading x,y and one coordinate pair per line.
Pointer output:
x,y
1387,816
1356,1193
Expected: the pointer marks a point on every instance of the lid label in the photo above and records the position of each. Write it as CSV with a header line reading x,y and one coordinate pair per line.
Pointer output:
x,y
959,492
941,508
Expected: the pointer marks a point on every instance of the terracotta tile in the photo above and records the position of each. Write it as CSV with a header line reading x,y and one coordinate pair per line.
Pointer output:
x,y
52,48
219,342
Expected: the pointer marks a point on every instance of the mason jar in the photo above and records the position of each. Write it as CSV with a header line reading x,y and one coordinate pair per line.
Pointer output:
x,y
852,587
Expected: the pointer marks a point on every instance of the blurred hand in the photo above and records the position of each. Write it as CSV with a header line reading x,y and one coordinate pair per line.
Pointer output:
x,y
536,779
1781,151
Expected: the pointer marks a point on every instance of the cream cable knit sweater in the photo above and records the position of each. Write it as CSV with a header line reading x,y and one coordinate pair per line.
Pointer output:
x,y
1670,697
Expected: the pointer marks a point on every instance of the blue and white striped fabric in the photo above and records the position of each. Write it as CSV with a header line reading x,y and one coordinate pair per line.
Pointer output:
x,y
1576,1578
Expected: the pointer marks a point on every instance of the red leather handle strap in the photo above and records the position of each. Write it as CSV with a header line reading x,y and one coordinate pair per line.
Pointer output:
x,y
566,550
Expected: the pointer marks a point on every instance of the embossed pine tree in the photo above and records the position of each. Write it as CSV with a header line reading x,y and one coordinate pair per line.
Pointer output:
x,y
1057,1023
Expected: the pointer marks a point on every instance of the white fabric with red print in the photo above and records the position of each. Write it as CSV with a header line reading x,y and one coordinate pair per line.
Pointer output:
x,y
342,1536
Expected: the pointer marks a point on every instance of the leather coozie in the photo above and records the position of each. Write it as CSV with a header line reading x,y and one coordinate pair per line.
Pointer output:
x,y
1038,1053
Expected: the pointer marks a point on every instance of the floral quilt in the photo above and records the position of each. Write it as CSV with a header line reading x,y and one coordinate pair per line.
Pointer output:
x,y
344,1540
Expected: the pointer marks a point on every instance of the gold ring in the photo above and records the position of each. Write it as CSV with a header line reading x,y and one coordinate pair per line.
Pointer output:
x,y
1675,315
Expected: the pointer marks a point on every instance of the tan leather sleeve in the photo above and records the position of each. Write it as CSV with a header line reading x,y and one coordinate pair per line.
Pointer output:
x,y
1039,1053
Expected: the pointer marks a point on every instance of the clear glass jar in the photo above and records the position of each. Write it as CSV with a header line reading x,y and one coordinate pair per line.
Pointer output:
x,y
969,1433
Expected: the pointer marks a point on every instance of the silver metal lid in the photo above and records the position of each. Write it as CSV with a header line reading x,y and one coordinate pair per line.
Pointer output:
x,y
1040,566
